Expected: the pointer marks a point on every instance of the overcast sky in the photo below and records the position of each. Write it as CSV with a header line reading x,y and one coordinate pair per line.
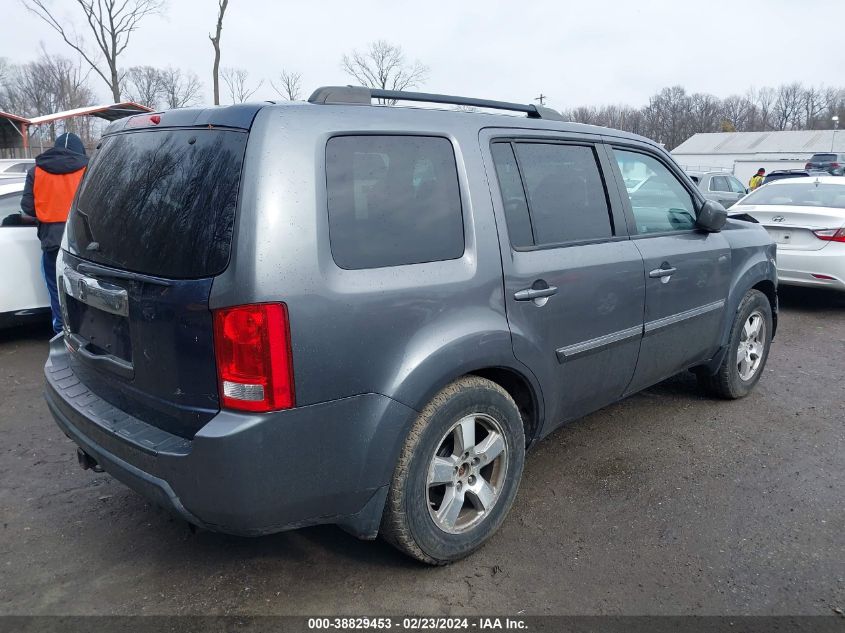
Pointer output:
x,y
581,52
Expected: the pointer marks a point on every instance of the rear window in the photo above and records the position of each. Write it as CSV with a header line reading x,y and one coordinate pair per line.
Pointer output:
x,y
804,194
823,158
392,200
780,175
160,202
10,204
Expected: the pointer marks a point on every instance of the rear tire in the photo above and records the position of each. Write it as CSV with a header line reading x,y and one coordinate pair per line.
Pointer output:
x,y
748,350
458,473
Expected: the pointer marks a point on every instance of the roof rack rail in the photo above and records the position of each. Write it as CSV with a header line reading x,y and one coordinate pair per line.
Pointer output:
x,y
361,95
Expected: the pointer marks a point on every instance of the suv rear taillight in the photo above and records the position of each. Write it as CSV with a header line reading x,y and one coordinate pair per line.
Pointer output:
x,y
254,362
808,166
831,235
835,165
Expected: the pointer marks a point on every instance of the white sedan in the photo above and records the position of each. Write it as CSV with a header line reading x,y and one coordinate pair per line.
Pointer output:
x,y
806,218
23,293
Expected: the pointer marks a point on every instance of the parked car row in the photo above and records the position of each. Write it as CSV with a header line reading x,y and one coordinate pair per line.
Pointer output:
x,y
806,219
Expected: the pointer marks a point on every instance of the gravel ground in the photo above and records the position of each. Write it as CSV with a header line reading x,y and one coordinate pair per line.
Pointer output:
x,y
665,503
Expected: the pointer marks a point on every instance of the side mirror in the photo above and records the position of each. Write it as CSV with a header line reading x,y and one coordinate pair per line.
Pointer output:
x,y
711,217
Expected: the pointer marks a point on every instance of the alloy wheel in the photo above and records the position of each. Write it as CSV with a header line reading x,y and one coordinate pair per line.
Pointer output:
x,y
466,473
752,344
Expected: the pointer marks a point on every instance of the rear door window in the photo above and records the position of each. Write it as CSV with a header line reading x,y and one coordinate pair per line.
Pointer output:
x,y
513,195
160,202
719,183
393,200
565,192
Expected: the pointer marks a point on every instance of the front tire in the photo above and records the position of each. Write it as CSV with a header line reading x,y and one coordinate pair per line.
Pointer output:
x,y
748,350
458,473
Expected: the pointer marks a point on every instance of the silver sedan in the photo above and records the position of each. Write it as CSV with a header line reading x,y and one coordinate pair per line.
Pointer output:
x,y
806,218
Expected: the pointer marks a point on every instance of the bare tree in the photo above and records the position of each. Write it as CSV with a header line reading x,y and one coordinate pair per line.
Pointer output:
x,y
11,98
6,70
672,116
834,105
111,22
705,113
787,106
290,85
179,90
143,84
735,113
813,103
49,84
237,81
668,114
383,65
584,114
215,42
763,100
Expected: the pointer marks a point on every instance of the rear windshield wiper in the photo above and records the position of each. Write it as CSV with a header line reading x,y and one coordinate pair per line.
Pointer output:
x,y
99,271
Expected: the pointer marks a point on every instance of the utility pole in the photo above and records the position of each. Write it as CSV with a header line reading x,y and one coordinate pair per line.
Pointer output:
x,y
542,99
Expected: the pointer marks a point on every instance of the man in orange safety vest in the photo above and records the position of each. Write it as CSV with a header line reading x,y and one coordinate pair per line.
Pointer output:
x,y
48,193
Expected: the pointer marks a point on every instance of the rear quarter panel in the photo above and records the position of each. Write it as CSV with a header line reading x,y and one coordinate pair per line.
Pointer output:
x,y
402,331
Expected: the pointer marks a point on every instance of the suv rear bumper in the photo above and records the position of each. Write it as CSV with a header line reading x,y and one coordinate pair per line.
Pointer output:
x,y
241,473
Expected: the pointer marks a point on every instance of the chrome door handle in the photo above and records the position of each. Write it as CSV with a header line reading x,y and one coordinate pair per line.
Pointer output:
x,y
657,273
529,294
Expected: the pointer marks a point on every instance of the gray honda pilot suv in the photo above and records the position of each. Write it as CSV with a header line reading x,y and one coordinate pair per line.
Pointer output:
x,y
339,312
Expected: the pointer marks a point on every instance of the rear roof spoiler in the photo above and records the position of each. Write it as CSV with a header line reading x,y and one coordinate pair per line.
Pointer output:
x,y
239,116
360,95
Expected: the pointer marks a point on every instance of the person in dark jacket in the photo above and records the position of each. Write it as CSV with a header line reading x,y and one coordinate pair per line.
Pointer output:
x,y
47,196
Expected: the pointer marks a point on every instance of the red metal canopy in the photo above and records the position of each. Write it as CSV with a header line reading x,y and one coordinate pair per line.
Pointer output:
x,y
14,129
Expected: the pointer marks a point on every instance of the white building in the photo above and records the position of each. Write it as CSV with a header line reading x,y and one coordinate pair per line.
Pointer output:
x,y
743,153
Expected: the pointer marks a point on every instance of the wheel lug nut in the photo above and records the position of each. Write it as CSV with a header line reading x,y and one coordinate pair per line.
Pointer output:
x,y
471,480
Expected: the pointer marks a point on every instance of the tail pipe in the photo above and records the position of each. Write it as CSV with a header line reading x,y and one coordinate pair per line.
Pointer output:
x,y
87,462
